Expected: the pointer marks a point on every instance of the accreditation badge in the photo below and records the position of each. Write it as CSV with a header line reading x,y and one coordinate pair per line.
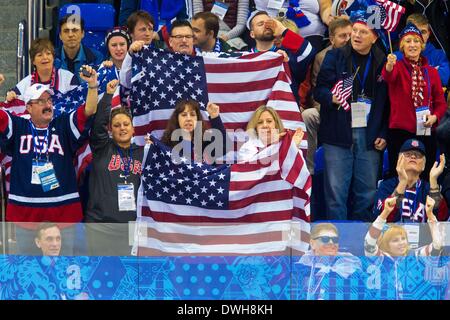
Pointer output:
x,y
125,195
47,177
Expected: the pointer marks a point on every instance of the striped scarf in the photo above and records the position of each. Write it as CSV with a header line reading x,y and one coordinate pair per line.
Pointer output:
x,y
417,83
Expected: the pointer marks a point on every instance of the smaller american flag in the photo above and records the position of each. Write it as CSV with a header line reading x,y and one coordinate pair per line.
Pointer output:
x,y
390,14
343,89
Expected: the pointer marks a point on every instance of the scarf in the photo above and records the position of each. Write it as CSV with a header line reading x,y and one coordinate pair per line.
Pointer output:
x,y
417,83
53,82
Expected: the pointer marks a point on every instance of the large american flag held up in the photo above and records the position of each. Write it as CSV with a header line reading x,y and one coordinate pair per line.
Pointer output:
x,y
239,85
257,207
391,14
343,89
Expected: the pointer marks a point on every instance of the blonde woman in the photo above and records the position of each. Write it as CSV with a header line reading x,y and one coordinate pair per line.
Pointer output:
x,y
264,128
416,97
394,241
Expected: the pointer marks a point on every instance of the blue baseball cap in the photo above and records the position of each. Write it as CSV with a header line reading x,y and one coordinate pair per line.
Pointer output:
x,y
413,144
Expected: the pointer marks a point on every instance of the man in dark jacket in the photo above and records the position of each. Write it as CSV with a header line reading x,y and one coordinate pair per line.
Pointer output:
x,y
352,137
73,54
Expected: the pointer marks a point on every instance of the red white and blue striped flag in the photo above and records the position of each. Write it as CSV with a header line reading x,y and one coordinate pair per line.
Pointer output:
x,y
258,207
343,89
239,83
391,14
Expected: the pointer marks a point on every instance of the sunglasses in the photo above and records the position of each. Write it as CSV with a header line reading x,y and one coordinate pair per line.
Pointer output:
x,y
326,239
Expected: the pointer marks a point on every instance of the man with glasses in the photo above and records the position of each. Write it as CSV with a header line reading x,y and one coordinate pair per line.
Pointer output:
x,y
410,190
43,178
182,37
73,54
325,273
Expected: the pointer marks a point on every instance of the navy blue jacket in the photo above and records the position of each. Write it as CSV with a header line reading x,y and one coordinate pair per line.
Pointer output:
x,y
335,124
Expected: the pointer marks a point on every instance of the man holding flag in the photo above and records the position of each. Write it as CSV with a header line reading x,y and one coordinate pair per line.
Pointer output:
x,y
353,124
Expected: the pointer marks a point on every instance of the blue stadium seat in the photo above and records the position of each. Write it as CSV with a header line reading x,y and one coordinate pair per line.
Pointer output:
x,y
98,19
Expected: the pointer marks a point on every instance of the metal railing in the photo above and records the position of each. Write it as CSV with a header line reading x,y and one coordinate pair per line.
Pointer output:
x,y
22,49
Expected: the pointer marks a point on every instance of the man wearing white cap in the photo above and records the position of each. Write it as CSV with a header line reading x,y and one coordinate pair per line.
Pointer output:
x,y
43,179
298,52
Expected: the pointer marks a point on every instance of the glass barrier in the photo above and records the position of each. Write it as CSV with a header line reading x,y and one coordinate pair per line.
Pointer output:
x,y
263,261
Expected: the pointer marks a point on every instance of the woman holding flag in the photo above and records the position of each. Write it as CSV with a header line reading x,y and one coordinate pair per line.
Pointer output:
x,y
42,55
416,98
264,128
114,179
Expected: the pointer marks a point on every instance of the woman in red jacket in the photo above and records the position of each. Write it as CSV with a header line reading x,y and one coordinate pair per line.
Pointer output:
x,y
416,97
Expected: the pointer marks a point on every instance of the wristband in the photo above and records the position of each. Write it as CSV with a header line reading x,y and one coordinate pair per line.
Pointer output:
x,y
94,87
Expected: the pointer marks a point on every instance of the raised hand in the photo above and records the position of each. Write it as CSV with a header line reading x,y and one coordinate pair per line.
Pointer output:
x,y
2,78
136,46
391,61
389,205
11,95
112,86
213,110
92,79
276,26
298,136
437,170
429,205
402,175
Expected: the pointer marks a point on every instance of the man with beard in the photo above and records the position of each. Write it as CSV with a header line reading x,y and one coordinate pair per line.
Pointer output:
x,y
297,51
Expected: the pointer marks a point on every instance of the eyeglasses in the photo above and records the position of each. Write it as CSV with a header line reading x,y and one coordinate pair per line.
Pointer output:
x,y
42,102
327,239
180,36
416,154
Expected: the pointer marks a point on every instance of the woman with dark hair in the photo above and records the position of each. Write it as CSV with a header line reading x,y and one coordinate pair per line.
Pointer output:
x,y
186,132
117,41
114,179
42,56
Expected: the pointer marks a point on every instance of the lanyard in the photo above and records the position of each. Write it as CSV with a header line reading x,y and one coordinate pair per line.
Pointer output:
x,y
127,165
40,144
415,201
366,72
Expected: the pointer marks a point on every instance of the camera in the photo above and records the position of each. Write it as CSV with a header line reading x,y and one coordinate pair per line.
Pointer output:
x,y
282,13
85,72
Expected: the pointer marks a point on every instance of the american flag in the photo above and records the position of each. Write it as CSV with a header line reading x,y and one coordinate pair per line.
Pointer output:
x,y
191,208
343,89
238,84
390,14
62,103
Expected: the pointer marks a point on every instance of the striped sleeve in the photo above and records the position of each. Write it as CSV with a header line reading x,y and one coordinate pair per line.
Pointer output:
x,y
242,14
6,126
370,241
